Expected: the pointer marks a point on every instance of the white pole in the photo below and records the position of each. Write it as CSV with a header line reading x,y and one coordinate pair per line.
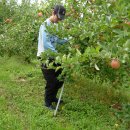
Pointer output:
x,y
59,100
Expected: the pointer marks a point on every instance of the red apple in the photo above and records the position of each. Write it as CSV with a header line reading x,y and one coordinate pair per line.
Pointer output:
x,y
40,14
115,63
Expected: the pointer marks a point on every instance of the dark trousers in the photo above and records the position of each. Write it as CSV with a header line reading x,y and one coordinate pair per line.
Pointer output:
x,y
52,83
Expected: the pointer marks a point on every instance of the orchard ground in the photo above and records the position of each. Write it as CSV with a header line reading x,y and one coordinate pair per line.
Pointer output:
x,y
88,105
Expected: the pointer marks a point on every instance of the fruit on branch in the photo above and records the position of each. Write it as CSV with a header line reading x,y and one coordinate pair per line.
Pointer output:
x,y
115,63
40,14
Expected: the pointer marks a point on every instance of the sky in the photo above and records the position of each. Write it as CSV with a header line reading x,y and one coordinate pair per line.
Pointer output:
x,y
32,1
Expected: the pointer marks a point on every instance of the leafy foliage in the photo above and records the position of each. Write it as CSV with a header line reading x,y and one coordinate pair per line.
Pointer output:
x,y
97,32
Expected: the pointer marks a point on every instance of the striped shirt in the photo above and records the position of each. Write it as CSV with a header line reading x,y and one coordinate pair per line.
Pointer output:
x,y
47,40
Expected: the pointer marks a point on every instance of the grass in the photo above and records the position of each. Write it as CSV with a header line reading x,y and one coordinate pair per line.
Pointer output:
x,y
87,104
